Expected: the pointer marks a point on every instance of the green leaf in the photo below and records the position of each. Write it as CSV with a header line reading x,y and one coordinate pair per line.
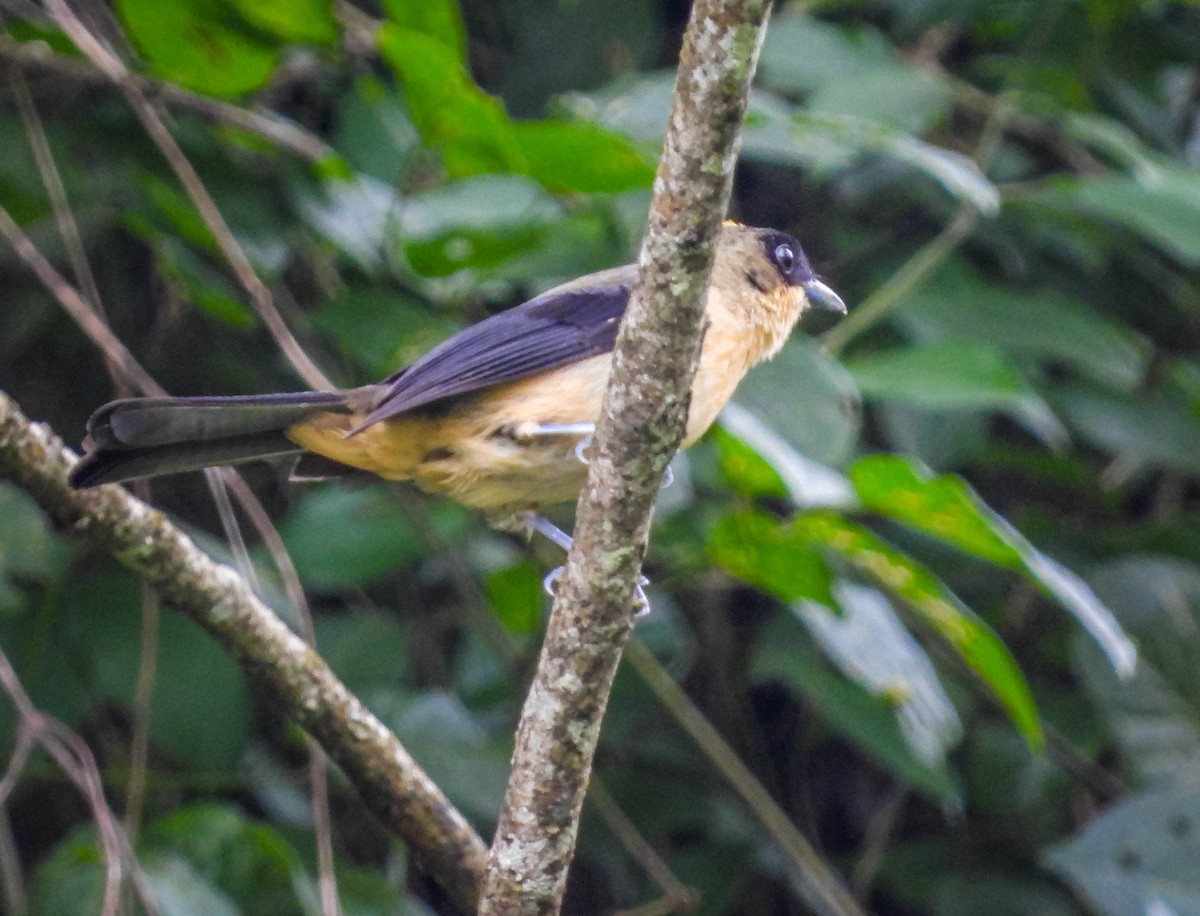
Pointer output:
x,y
29,551
870,645
199,45
946,508
1139,857
70,880
1156,430
782,653
786,560
298,21
468,127
452,746
374,132
249,864
516,595
476,223
900,97
582,157
381,328
178,890
975,642
365,649
1162,206
759,462
755,547
439,19
373,536
207,737
1154,714
806,398
1040,322
955,375
801,53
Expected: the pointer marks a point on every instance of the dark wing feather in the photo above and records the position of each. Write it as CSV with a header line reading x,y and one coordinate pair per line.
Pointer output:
x,y
560,327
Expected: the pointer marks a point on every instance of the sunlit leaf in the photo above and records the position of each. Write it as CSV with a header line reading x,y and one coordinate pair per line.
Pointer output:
x,y
979,647
582,157
439,19
784,471
467,126
299,21
196,44
755,547
786,559
870,645
516,595
946,508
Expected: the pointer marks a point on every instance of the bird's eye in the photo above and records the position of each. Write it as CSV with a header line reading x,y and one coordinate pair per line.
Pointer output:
x,y
785,258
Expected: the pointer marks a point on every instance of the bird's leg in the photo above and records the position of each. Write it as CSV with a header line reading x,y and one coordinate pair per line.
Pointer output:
x,y
586,431
543,526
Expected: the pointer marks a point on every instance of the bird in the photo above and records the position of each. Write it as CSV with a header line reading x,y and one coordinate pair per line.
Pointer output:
x,y
498,416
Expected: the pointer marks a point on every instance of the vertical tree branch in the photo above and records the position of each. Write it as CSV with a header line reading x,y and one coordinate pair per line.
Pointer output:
x,y
642,421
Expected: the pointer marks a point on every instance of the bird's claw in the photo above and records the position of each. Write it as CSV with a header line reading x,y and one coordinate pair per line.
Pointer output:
x,y
550,583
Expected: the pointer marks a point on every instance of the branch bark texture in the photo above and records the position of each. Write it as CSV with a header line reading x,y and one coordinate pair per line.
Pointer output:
x,y
395,788
642,422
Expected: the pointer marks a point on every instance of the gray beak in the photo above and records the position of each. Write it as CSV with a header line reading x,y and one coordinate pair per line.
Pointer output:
x,y
822,297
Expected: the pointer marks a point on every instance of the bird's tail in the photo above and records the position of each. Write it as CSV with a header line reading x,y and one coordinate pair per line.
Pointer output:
x,y
145,437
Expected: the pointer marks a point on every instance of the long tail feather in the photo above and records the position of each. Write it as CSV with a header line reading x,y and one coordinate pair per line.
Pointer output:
x,y
145,437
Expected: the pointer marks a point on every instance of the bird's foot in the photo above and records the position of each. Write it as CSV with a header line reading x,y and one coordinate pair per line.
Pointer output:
x,y
550,583
534,522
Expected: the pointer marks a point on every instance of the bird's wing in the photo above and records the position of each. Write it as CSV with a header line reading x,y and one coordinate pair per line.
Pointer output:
x,y
565,325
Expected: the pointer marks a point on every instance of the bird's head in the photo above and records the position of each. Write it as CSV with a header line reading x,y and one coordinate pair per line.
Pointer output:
x,y
763,278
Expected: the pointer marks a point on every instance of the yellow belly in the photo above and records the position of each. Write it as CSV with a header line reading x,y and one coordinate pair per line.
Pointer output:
x,y
475,453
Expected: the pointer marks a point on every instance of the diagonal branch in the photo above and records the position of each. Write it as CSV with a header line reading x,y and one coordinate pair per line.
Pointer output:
x,y
300,683
641,425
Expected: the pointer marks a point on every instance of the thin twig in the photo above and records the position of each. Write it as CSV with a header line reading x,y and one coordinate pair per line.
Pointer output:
x,y
143,696
820,885
680,897
234,254
910,274
75,759
52,180
269,125
75,305
12,881
879,830
318,770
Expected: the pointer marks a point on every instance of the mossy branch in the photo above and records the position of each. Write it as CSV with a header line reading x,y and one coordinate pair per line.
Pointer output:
x,y
301,684
642,422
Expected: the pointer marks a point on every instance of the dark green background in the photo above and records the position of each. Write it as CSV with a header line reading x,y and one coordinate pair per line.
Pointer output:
x,y
905,672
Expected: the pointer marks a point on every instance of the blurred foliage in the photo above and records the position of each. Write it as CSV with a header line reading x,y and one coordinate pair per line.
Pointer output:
x,y
934,680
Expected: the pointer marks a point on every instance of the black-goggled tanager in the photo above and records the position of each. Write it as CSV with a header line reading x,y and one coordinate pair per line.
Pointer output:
x,y
492,417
